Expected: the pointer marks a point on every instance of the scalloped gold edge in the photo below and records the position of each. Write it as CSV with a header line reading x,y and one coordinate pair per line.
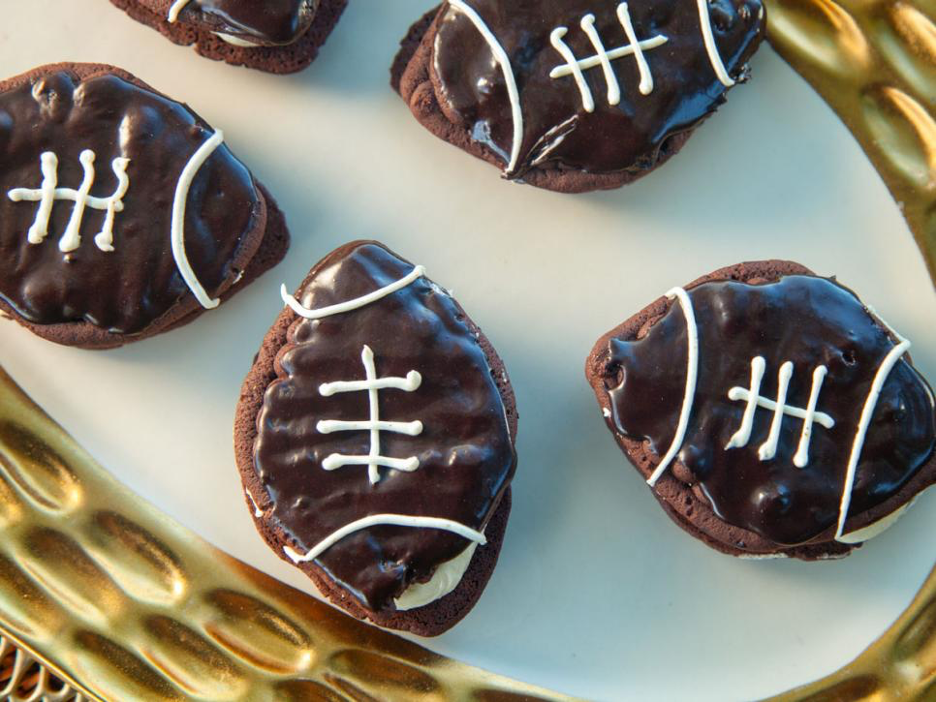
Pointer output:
x,y
872,63
899,666
131,605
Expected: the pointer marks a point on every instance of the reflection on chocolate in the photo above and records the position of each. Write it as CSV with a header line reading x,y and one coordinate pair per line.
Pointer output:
x,y
558,129
809,322
266,22
132,286
463,447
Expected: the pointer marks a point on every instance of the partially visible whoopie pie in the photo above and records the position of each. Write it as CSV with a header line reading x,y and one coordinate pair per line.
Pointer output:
x,y
574,95
375,441
276,36
123,214
770,410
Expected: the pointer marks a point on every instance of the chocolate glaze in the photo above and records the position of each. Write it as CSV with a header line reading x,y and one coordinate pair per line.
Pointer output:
x,y
465,451
265,22
809,321
126,290
629,136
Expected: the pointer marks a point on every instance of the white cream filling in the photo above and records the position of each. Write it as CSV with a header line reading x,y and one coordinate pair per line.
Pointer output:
x,y
875,528
236,41
855,537
445,579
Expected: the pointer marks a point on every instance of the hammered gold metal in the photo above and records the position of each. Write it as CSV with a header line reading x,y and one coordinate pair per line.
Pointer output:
x,y
103,597
874,62
103,587
901,665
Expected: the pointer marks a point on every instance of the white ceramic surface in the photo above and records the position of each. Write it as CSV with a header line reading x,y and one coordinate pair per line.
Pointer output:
x,y
597,593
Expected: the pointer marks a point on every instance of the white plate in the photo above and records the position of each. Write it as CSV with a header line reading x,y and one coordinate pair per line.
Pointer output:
x,y
597,593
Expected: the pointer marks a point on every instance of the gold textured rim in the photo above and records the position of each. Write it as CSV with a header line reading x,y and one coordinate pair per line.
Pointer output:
x,y
103,597
874,63
132,606
899,666
102,592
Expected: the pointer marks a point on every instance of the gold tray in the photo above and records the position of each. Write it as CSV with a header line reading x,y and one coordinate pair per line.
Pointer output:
x,y
874,62
125,604
104,597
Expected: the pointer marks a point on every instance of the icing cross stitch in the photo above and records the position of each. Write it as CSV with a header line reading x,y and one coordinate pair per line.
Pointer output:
x,y
372,384
603,58
754,400
48,193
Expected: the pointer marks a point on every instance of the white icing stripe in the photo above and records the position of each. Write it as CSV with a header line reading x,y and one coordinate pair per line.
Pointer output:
x,y
48,192
646,78
768,449
504,61
887,365
297,307
753,398
592,61
743,394
614,88
177,231
71,240
572,66
176,8
603,58
801,459
692,372
372,385
554,141
327,426
386,520
710,47
372,461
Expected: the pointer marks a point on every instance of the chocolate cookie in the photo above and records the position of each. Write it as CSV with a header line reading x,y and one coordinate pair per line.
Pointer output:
x,y
771,412
277,36
574,95
122,213
375,440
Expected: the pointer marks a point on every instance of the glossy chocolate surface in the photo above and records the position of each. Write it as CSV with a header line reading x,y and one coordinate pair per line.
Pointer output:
x,y
809,321
267,22
465,451
558,131
125,290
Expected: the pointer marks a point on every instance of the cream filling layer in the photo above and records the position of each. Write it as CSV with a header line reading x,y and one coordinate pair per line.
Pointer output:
x,y
445,579
236,41
875,528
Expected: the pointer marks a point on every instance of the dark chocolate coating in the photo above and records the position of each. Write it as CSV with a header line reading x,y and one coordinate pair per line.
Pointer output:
x,y
265,22
279,59
465,450
628,136
131,288
803,319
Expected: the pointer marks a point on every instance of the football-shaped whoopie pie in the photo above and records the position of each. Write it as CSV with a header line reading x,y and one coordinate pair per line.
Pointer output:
x,y
375,440
771,412
122,213
574,95
277,36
